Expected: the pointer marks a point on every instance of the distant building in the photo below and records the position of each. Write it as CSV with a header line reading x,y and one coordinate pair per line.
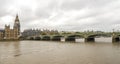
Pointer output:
x,y
31,32
49,32
37,32
8,33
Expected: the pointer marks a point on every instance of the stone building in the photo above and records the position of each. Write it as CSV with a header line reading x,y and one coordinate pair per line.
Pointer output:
x,y
31,32
11,34
1,34
38,32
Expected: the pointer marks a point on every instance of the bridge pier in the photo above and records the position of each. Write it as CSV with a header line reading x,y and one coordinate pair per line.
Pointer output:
x,y
62,39
90,39
115,39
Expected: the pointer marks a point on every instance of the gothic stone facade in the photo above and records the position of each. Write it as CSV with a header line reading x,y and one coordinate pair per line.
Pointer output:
x,y
11,34
1,34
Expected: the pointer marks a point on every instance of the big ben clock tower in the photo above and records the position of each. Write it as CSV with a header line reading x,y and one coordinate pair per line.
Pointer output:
x,y
17,25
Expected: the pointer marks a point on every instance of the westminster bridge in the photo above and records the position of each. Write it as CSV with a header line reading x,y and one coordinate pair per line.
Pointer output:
x,y
88,37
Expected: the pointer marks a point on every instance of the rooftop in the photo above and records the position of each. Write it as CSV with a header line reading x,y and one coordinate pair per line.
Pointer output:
x,y
1,30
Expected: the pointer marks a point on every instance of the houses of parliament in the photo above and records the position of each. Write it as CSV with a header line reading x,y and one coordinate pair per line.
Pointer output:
x,y
11,34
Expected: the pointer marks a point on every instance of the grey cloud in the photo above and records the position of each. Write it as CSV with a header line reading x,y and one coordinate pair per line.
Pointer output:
x,y
43,13
47,10
79,4
67,14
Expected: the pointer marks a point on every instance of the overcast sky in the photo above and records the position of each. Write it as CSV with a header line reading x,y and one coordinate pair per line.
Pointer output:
x,y
71,15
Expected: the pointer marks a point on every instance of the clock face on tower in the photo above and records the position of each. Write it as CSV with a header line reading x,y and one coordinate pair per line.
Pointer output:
x,y
17,22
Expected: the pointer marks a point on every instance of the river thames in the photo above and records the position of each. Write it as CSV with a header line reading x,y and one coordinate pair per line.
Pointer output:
x,y
50,52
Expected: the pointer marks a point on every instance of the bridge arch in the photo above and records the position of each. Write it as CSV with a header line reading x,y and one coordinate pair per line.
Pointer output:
x,y
57,38
47,38
98,35
77,36
116,38
91,38
73,37
30,38
37,38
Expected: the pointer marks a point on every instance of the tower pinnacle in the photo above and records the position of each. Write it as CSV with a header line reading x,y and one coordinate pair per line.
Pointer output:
x,y
17,19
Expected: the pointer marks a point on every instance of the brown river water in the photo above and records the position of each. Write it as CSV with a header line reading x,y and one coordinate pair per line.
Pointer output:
x,y
51,52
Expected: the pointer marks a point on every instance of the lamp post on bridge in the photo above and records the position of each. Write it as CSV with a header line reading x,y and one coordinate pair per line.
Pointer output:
x,y
113,36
